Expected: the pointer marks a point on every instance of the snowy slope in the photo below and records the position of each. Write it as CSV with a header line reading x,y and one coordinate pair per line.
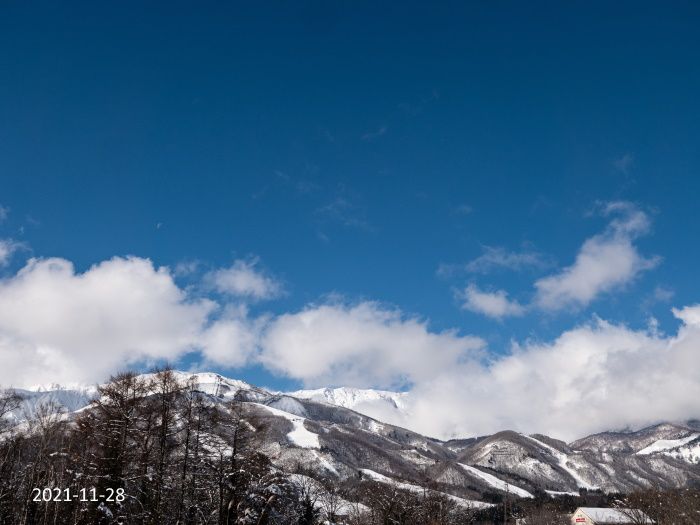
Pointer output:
x,y
376,476
630,441
215,384
667,444
689,453
299,435
68,400
496,482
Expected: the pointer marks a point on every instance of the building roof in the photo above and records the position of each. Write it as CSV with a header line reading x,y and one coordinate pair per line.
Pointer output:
x,y
603,515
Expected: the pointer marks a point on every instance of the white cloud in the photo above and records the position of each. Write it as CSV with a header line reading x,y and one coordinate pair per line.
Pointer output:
x,y
186,268
58,325
243,279
365,344
690,315
4,212
232,340
229,342
596,377
605,262
660,294
492,304
496,257
7,248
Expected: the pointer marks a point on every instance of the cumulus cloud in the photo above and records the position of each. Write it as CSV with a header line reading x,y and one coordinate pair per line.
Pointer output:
x,y
362,345
119,311
232,340
57,324
596,377
492,304
604,262
244,279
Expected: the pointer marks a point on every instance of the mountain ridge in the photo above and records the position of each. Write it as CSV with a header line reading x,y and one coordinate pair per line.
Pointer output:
x,y
341,441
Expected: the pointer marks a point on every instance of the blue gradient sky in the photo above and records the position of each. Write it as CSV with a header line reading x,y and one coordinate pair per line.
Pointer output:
x,y
356,148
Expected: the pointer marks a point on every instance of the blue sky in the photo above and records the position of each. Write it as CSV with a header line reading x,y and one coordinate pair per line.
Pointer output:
x,y
350,152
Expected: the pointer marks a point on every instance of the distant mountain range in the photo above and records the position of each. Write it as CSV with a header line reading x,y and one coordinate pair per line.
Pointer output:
x,y
326,431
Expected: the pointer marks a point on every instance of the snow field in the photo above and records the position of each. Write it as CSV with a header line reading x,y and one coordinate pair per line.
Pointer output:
x,y
299,435
495,482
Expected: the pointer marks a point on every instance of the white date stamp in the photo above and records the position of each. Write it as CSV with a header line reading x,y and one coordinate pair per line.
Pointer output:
x,y
56,494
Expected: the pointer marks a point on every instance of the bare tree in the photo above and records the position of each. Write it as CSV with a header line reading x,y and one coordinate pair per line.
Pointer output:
x,y
672,507
10,401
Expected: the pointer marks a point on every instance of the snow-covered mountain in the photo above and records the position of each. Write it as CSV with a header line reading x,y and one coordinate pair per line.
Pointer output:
x,y
70,399
366,401
327,431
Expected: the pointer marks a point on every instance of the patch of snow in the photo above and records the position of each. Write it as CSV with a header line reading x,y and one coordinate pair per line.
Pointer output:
x,y
381,478
416,457
557,493
299,435
288,404
495,482
104,509
214,446
667,444
689,453
342,506
608,468
326,464
376,426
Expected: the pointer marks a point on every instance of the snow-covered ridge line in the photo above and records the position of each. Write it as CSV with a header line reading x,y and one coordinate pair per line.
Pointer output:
x,y
351,398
